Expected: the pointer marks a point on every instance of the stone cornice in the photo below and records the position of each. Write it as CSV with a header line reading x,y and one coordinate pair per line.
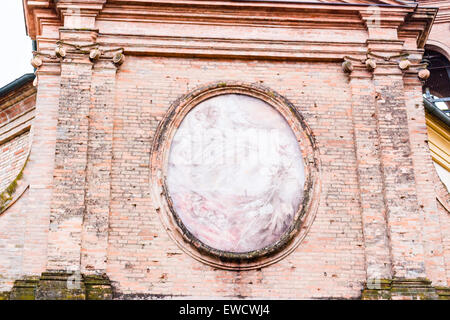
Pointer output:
x,y
319,14
79,13
53,12
39,13
420,22
272,3
240,48
444,12
171,18
83,5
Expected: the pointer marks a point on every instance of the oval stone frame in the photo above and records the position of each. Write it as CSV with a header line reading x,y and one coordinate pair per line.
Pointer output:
x,y
163,204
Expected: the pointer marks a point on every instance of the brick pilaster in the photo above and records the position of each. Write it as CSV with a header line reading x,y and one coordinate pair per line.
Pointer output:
x,y
71,153
68,202
39,171
370,176
98,178
426,195
403,215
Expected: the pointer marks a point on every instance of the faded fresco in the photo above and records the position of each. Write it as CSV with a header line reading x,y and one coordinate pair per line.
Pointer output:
x,y
236,173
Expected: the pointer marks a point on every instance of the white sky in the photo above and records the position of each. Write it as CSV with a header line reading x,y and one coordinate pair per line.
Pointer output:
x,y
15,48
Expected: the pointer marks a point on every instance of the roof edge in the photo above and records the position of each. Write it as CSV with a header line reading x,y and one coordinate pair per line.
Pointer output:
x,y
19,82
435,111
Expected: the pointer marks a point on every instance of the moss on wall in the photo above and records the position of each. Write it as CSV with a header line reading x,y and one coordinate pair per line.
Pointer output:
x,y
7,195
415,289
60,286
56,286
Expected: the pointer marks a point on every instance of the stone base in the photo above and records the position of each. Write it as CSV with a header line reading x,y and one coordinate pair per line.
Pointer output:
x,y
443,292
98,288
403,289
73,286
24,289
4,296
60,286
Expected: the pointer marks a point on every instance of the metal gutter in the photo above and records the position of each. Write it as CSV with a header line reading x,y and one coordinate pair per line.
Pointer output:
x,y
435,111
16,84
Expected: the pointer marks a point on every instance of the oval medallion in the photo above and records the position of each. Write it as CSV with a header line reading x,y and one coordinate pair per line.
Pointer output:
x,y
235,173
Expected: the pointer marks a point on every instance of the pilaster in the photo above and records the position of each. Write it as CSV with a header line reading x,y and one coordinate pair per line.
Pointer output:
x,y
40,169
404,218
98,177
80,213
69,179
423,165
370,175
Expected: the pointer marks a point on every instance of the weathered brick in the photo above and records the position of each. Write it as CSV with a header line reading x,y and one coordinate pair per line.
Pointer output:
x,y
90,207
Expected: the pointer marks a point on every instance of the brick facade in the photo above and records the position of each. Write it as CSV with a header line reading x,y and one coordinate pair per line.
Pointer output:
x,y
17,111
16,115
440,42
90,206
12,158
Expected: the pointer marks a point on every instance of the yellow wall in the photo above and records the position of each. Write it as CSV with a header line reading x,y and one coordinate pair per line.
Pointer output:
x,y
438,141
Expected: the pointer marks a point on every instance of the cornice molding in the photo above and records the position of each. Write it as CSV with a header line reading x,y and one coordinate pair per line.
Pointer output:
x,y
420,22
53,12
242,48
38,13
179,15
78,13
248,3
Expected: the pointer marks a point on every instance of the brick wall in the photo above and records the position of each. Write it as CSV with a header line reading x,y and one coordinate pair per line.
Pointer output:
x,y
89,205
16,116
12,158
16,105
141,256
445,230
12,239
443,205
